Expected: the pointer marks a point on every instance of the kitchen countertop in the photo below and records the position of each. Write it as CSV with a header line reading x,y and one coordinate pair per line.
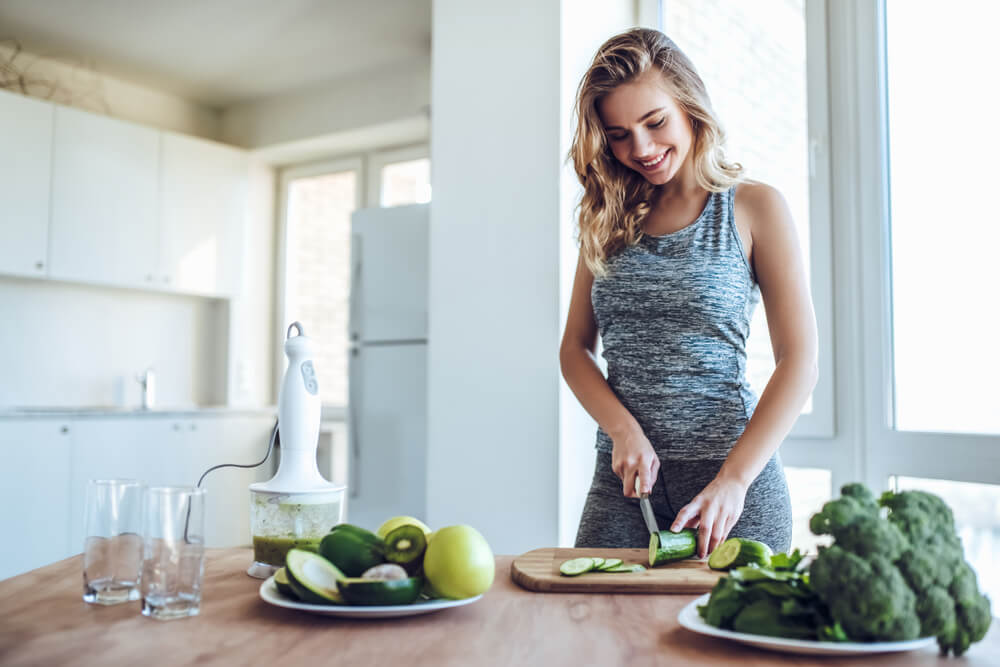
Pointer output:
x,y
45,622
103,412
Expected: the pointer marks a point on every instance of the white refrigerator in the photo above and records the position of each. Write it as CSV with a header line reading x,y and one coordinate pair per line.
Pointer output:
x,y
387,396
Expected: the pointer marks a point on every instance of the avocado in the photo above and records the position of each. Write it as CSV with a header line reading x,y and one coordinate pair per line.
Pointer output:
x,y
313,578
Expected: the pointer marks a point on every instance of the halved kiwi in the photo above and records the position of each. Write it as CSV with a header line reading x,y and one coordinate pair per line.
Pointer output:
x,y
405,545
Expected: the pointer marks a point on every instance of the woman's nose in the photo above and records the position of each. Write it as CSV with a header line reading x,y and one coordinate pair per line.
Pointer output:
x,y
642,144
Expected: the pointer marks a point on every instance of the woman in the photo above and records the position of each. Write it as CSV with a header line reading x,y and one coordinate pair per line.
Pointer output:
x,y
676,250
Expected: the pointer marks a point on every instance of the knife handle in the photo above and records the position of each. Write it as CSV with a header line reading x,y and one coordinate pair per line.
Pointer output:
x,y
641,495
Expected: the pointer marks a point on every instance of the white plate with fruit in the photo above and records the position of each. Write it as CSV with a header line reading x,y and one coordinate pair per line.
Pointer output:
x,y
402,570
269,593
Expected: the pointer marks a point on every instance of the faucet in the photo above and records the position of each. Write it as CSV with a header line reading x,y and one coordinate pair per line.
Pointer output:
x,y
148,383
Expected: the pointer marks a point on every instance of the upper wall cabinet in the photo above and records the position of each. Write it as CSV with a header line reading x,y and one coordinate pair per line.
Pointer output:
x,y
104,200
26,147
202,202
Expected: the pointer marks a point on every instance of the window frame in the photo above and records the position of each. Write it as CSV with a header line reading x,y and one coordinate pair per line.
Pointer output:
x,y
971,457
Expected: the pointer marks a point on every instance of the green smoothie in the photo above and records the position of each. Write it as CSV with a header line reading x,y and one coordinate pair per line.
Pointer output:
x,y
272,550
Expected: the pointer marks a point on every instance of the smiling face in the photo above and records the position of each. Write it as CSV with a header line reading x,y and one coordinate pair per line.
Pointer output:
x,y
646,128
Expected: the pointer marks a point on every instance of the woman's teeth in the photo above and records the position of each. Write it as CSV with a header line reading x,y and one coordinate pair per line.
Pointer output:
x,y
655,162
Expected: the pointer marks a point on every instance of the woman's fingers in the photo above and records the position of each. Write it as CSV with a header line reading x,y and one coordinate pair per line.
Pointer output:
x,y
688,516
719,533
709,517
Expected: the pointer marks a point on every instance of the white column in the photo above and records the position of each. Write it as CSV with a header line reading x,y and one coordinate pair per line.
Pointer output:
x,y
501,237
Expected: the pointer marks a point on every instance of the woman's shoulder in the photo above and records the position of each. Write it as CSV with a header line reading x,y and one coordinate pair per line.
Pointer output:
x,y
758,202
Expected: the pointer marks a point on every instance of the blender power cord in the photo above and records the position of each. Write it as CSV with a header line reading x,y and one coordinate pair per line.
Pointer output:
x,y
270,447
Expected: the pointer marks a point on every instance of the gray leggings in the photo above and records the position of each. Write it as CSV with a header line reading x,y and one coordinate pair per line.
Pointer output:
x,y
610,520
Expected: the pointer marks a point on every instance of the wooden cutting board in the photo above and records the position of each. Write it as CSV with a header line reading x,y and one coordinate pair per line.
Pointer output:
x,y
538,571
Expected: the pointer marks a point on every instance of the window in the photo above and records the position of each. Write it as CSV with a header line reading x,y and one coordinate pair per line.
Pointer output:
x,y
406,183
809,489
760,84
945,231
317,201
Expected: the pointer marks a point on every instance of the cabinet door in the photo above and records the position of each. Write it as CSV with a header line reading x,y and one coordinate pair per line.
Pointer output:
x,y
26,147
203,193
35,494
117,448
104,200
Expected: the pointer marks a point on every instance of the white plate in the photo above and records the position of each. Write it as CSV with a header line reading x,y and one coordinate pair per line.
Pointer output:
x,y
269,594
690,619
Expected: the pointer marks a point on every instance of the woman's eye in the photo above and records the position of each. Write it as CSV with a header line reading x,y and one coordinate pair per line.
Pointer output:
x,y
658,123
616,138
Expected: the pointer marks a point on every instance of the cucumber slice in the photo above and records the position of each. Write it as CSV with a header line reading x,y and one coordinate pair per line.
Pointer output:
x,y
665,546
598,563
281,582
625,567
737,551
576,566
377,592
313,578
610,563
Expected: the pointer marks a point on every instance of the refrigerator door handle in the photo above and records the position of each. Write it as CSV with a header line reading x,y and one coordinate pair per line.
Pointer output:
x,y
354,310
353,394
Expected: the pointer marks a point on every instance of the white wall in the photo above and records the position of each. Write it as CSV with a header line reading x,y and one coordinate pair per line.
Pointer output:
x,y
76,85
73,345
584,29
359,101
494,283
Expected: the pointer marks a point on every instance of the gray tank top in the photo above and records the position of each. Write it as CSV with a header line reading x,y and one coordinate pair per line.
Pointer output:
x,y
674,313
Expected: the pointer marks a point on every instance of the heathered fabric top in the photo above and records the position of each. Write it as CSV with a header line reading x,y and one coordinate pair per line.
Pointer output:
x,y
674,313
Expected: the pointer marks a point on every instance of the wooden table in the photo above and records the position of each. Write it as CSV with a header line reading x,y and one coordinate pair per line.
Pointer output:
x,y
43,621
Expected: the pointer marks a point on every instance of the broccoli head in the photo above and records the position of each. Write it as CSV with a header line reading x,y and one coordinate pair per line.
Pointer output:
x,y
897,577
866,595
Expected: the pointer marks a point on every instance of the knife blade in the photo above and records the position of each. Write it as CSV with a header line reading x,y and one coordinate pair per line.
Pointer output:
x,y
647,510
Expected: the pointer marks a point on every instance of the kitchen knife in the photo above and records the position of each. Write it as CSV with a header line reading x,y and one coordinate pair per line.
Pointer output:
x,y
647,510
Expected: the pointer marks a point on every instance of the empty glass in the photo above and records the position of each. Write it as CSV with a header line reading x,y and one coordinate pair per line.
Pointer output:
x,y
112,548
174,552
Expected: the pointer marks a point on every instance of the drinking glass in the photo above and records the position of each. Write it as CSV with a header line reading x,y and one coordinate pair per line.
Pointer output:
x,y
112,548
173,559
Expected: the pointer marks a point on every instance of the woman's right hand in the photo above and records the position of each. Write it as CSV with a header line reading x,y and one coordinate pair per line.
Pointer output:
x,y
633,457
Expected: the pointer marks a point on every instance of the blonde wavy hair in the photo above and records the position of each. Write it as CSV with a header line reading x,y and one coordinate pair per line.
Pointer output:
x,y
616,199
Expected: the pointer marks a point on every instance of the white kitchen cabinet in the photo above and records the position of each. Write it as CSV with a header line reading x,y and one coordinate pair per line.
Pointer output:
x,y
35,495
26,147
202,207
104,224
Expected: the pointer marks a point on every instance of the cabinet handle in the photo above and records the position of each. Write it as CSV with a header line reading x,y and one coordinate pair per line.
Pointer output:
x,y
64,429
166,280
177,427
39,265
149,277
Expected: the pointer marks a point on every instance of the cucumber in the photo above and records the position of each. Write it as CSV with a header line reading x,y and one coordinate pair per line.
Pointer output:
x,y
598,563
610,563
352,549
737,551
313,578
665,546
281,582
625,567
576,566
405,545
377,592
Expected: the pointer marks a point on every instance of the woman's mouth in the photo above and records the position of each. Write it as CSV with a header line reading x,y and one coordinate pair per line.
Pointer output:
x,y
655,163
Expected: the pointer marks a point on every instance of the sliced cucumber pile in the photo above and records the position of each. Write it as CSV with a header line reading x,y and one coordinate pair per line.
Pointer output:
x,y
737,551
578,566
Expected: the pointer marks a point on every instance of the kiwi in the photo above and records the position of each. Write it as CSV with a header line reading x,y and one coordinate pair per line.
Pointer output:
x,y
405,545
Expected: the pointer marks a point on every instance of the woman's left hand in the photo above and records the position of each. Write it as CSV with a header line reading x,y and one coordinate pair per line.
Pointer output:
x,y
714,512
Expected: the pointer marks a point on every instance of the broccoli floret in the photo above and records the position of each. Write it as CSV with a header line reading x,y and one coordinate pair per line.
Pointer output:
x,y
897,577
868,596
